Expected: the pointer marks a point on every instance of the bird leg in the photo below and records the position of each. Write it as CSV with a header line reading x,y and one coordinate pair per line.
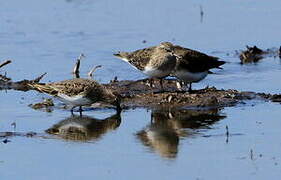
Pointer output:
x,y
181,86
190,88
151,81
71,110
178,84
118,104
80,110
161,84
151,119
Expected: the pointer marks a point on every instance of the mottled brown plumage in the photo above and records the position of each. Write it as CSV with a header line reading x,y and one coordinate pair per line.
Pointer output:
x,y
77,92
155,61
193,61
139,58
192,66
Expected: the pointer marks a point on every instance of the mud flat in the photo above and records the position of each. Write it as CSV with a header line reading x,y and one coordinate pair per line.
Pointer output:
x,y
255,54
139,94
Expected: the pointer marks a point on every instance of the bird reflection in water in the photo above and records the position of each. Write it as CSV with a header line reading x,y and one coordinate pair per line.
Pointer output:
x,y
166,128
84,128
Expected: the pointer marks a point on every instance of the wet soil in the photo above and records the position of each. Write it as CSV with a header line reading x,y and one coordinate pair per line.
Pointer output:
x,y
254,54
140,94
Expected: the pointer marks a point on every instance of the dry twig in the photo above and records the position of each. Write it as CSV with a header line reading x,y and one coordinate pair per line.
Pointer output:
x,y
77,65
5,63
36,80
4,78
90,74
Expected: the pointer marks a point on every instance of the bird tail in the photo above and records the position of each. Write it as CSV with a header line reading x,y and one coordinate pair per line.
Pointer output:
x,y
218,63
43,88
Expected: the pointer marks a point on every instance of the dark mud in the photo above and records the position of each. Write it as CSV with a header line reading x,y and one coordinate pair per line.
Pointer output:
x,y
6,83
140,94
46,105
254,54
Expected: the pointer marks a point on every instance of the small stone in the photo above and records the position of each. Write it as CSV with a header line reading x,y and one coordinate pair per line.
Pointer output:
x,y
45,104
252,54
30,134
5,141
276,98
114,80
211,101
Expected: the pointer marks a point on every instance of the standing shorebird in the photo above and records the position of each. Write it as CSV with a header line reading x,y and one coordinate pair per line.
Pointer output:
x,y
79,92
155,61
192,66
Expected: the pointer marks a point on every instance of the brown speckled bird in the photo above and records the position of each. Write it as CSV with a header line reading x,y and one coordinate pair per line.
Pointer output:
x,y
155,61
192,66
78,92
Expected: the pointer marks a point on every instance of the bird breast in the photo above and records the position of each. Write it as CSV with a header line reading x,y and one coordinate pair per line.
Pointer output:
x,y
78,100
190,77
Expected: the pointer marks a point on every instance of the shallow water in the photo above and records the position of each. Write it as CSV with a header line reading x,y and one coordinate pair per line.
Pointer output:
x,y
47,36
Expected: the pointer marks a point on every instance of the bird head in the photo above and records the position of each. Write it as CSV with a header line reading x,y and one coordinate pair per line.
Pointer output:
x,y
169,47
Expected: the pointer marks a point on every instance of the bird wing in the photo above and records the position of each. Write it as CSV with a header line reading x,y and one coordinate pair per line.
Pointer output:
x,y
70,87
67,87
196,61
139,58
44,88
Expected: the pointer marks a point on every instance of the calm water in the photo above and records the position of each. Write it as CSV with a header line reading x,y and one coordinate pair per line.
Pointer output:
x,y
46,36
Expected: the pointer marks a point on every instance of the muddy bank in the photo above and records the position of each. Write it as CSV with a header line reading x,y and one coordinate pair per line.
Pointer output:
x,y
254,54
6,83
140,94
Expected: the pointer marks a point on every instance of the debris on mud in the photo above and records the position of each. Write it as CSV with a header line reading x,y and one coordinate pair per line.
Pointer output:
x,y
46,105
4,78
276,98
7,83
254,54
139,94
11,134
5,141
5,136
5,63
